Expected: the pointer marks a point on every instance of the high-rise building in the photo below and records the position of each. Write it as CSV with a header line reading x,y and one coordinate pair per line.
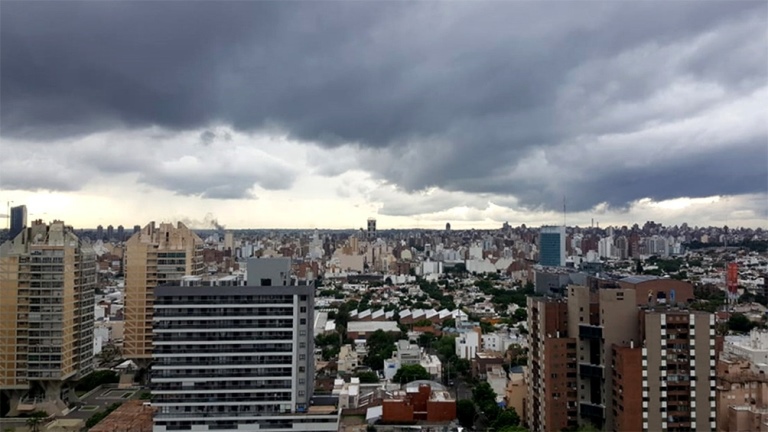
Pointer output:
x,y
371,228
120,233
551,373
156,255
640,359
100,232
18,220
47,280
136,228
233,356
229,241
110,232
552,246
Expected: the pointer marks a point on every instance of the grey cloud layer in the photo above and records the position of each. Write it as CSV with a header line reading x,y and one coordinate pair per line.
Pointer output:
x,y
495,98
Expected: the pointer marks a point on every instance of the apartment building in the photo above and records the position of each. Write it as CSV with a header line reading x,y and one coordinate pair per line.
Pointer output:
x,y
551,373
231,355
638,363
47,280
156,255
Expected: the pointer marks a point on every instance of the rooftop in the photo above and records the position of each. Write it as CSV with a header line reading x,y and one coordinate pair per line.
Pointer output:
x,y
132,416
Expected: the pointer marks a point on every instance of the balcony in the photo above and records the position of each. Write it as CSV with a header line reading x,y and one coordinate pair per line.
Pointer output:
x,y
590,332
590,410
587,370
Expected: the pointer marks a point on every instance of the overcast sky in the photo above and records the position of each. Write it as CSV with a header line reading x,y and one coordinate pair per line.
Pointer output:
x,y
322,114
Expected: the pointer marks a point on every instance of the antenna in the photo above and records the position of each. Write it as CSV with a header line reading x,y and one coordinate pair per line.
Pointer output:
x,y
564,212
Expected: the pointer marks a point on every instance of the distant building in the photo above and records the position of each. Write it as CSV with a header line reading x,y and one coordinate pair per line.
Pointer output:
x,y
552,246
120,233
110,232
447,226
18,220
371,228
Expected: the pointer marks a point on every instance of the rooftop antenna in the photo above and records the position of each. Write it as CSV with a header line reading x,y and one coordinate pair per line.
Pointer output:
x,y
564,225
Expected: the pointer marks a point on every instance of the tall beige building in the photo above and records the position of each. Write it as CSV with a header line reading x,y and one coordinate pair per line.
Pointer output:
x,y
47,281
154,256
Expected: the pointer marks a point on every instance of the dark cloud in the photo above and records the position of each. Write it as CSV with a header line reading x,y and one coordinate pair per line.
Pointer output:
x,y
207,137
471,97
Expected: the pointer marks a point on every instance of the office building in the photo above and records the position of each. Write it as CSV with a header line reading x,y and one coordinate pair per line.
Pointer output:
x,y
18,220
371,228
552,246
156,255
47,280
120,233
233,356
640,360
110,233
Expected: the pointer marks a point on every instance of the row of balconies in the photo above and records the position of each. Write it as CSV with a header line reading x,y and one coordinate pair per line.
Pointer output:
x,y
225,360
226,372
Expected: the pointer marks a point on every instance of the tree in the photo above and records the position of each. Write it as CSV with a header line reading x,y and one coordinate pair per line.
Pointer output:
x,y
368,377
739,322
521,314
380,346
508,417
408,373
485,398
35,420
465,412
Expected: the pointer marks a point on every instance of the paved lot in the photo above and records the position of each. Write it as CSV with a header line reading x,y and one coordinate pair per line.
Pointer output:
x,y
103,398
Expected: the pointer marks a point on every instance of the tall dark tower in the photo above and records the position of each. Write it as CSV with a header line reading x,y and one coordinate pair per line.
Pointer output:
x,y
371,228
18,220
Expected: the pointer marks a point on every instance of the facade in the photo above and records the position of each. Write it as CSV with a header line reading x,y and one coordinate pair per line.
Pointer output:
x,y
47,280
421,401
742,395
371,228
156,255
18,220
634,366
231,356
517,391
552,246
551,373
468,342
678,370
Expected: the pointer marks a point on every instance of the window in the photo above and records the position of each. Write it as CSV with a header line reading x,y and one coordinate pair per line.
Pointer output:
x,y
303,321
266,282
303,309
303,298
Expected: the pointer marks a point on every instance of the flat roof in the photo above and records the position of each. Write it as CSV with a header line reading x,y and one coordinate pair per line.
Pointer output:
x,y
372,326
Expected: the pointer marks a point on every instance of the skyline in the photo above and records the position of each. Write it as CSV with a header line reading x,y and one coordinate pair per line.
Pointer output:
x,y
320,115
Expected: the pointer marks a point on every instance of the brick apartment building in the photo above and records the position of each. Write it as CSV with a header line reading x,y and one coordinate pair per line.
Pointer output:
x,y
419,402
624,358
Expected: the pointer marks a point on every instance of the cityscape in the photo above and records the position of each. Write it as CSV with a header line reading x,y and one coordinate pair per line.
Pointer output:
x,y
345,216
161,327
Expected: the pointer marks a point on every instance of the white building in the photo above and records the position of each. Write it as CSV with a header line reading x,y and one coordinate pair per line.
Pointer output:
x,y
468,343
753,347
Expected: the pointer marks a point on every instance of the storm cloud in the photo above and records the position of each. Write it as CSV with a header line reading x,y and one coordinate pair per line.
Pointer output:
x,y
599,102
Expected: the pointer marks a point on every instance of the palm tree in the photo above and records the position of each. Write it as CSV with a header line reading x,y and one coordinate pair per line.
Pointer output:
x,y
35,420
